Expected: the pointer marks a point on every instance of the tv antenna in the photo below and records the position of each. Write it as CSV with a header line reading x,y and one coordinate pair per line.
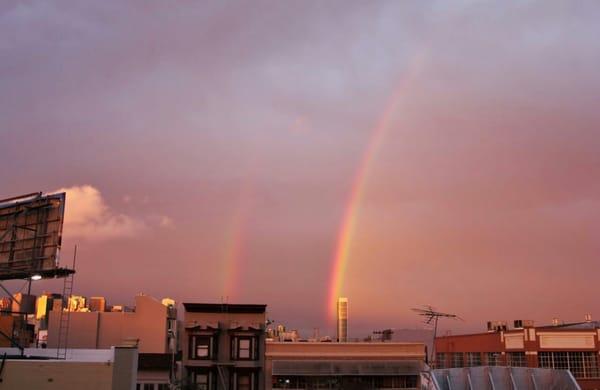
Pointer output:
x,y
432,316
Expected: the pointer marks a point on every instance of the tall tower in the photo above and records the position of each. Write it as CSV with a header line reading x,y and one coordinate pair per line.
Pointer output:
x,y
342,320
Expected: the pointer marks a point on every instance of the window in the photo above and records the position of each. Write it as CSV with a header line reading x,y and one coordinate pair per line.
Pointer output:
x,y
473,359
390,382
144,386
244,348
516,359
561,360
493,358
201,347
244,382
440,360
590,365
545,360
456,359
202,379
581,364
245,379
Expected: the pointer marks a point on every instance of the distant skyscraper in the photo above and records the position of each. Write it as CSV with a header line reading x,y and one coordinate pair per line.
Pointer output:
x,y
342,320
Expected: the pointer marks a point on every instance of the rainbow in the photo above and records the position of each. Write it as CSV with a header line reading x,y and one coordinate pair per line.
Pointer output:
x,y
350,216
235,240
236,234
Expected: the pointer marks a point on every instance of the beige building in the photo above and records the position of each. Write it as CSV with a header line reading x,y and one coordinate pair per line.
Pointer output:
x,y
151,327
224,346
347,366
111,369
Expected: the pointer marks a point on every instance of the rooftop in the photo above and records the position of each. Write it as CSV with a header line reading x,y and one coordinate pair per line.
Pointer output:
x,y
224,308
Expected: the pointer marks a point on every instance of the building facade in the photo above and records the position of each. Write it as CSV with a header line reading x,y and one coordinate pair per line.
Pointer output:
x,y
574,347
344,366
224,346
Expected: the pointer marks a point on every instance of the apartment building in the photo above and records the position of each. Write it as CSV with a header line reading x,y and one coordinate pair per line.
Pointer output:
x,y
224,346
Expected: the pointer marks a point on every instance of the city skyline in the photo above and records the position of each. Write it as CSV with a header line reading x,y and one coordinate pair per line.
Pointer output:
x,y
407,154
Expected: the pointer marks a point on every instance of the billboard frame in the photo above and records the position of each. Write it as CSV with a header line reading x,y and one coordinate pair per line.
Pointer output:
x,y
33,254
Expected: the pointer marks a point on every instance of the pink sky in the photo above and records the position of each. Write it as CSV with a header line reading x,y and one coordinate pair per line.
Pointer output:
x,y
181,128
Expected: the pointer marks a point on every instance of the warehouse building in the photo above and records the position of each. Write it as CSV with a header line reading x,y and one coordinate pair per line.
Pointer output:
x,y
573,347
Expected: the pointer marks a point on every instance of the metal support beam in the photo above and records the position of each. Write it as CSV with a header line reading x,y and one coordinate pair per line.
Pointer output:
x,y
448,380
533,382
512,379
469,381
491,379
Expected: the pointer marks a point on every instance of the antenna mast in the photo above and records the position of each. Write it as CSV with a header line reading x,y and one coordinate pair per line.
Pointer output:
x,y
432,316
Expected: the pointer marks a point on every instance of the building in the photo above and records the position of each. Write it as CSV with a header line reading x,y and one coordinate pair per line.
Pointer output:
x,y
151,327
97,304
281,334
106,369
342,320
224,346
347,366
574,347
498,378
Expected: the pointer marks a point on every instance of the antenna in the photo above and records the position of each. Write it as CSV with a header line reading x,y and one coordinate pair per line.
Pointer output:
x,y
432,316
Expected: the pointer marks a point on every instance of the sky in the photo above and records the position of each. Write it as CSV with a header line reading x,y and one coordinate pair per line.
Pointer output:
x,y
444,153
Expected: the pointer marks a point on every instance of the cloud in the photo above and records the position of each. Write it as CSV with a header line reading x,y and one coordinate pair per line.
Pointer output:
x,y
165,221
88,216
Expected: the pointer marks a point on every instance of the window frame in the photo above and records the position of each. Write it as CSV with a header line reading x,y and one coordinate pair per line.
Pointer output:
x,y
193,346
252,349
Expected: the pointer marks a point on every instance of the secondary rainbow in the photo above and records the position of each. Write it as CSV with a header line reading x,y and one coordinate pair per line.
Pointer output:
x,y
236,235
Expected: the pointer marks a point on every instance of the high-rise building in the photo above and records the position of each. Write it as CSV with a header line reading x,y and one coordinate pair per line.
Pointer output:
x,y
342,320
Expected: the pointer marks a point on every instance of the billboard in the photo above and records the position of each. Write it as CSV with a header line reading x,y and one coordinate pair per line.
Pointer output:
x,y
30,236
